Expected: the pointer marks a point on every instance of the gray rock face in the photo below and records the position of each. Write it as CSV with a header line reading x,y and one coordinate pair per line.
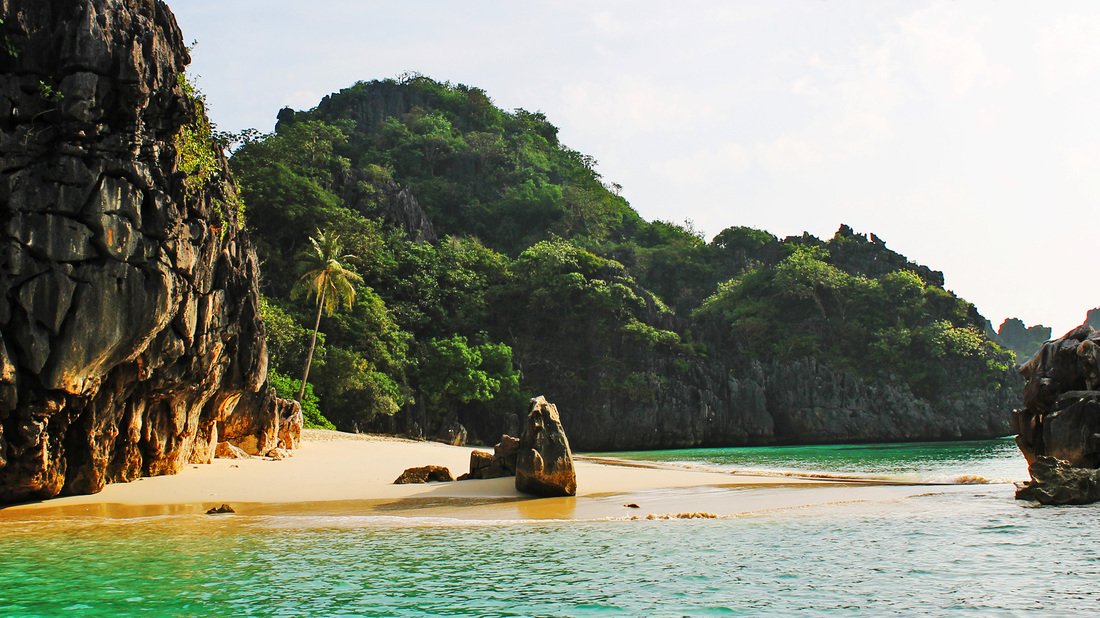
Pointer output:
x,y
544,465
741,401
402,210
1058,430
129,323
1055,482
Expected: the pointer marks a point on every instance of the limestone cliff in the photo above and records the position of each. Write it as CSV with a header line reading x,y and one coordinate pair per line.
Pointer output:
x,y
1058,429
742,401
129,324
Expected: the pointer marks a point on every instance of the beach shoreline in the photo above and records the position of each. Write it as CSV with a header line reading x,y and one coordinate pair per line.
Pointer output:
x,y
350,475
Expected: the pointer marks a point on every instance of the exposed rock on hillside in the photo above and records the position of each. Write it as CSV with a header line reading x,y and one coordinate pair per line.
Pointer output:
x,y
129,322
1058,430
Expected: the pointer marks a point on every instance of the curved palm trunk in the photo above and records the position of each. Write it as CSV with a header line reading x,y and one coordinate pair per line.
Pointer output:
x,y
313,342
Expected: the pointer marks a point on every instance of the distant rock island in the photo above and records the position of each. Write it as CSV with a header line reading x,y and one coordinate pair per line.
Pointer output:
x,y
490,261
1024,341
543,279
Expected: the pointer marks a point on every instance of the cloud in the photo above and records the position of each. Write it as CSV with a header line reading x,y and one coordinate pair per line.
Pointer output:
x,y
950,57
632,105
852,101
301,99
706,165
1069,49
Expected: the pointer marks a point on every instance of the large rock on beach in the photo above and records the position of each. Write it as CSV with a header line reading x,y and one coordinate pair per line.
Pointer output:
x,y
544,464
129,307
291,423
1058,430
425,474
498,464
1056,482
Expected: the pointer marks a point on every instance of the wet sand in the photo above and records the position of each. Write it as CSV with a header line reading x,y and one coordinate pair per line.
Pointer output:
x,y
352,475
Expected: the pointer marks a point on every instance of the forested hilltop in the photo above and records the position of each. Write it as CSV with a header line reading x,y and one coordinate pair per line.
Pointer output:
x,y
491,263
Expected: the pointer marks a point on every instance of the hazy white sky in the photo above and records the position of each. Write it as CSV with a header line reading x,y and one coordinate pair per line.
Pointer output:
x,y
964,134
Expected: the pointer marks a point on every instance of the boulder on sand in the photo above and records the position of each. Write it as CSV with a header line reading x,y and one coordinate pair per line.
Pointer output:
x,y
498,464
544,466
425,474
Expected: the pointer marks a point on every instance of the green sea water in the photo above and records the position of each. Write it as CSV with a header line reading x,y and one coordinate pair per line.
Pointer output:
x,y
931,462
974,551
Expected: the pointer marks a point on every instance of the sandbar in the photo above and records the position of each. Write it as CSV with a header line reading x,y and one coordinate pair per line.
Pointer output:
x,y
344,474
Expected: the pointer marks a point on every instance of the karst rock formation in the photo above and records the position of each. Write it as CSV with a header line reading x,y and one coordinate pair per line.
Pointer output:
x,y
544,465
1058,430
130,337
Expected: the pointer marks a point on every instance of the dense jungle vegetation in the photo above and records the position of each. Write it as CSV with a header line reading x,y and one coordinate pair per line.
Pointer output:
x,y
495,262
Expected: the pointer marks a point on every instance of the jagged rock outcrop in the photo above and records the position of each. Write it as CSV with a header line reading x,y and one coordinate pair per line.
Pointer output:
x,y
498,464
1056,482
129,321
1023,340
544,465
868,256
1058,430
402,210
291,423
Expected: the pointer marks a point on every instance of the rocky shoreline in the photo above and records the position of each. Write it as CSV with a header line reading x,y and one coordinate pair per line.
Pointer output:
x,y
1058,430
130,336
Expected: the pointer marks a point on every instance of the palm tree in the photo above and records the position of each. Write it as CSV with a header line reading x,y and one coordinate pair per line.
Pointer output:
x,y
324,277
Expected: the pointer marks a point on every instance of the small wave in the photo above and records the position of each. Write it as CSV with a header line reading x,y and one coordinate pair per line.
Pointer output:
x,y
971,479
667,516
386,521
913,478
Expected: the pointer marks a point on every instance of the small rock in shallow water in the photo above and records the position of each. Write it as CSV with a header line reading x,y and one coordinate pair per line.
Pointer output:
x,y
225,508
632,506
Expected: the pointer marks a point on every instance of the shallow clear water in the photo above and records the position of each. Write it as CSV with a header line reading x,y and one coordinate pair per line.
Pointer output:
x,y
959,552
991,460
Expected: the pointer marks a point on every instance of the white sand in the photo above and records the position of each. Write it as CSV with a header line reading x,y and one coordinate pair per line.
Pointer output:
x,y
340,473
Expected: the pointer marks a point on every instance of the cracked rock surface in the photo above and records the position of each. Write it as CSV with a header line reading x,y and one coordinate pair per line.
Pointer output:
x,y
129,322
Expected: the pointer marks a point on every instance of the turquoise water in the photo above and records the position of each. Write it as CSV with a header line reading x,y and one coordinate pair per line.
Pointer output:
x,y
936,462
957,552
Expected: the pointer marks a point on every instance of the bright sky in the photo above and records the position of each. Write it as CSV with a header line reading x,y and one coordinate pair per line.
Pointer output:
x,y
966,135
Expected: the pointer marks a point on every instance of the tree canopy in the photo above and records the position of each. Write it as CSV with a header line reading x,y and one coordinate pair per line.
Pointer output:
x,y
493,263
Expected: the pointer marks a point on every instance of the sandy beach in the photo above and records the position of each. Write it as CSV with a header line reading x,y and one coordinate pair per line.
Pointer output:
x,y
337,473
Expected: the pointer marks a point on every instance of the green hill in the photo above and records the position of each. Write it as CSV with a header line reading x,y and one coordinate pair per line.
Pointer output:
x,y
498,266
